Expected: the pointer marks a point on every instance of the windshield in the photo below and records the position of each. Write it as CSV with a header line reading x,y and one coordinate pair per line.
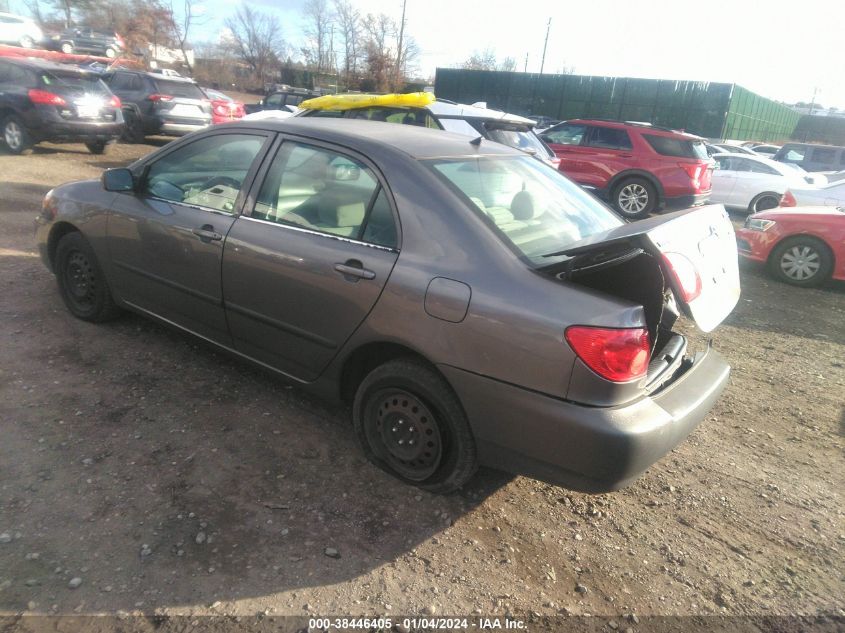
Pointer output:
x,y
526,140
536,210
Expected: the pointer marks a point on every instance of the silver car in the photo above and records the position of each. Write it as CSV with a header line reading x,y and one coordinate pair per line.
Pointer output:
x,y
472,304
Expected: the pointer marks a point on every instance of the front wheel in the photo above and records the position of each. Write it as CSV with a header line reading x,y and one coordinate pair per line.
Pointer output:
x,y
764,202
82,284
411,424
97,147
801,261
634,198
111,53
67,48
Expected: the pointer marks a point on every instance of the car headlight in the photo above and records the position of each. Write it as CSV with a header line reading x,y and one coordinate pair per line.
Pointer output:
x,y
758,224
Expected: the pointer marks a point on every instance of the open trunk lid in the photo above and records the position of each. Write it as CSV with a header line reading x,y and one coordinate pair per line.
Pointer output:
x,y
694,243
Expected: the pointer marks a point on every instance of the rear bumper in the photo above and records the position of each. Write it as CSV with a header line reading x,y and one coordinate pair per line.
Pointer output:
x,y
686,201
174,127
593,449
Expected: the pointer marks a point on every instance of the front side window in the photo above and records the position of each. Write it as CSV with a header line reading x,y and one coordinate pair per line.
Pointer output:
x,y
793,155
321,190
534,209
824,155
274,101
208,173
609,138
566,134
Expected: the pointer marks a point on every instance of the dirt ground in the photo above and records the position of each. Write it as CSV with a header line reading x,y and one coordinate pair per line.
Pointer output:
x,y
171,479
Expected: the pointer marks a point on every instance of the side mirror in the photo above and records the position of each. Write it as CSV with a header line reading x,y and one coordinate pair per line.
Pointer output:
x,y
118,180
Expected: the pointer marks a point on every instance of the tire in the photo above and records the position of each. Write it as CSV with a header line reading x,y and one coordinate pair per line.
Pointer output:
x,y
764,201
634,198
801,261
97,147
66,48
82,285
411,424
15,135
26,42
133,131
111,53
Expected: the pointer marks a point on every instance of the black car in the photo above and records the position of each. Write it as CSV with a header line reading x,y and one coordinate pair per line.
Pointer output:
x,y
279,99
154,104
42,101
83,39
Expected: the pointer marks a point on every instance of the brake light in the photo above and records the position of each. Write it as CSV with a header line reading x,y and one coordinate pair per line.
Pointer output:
x,y
114,102
158,97
42,97
695,171
685,274
221,110
788,199
618,355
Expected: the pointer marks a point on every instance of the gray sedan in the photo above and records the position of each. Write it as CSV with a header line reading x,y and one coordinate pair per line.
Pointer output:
x,y
472,304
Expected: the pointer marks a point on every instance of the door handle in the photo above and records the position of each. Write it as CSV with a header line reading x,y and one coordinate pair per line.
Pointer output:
x,y
206,233
626,155
353,270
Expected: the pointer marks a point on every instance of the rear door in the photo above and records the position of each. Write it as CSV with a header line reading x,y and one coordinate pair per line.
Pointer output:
x,y
723,181
166,240
566,140
306,266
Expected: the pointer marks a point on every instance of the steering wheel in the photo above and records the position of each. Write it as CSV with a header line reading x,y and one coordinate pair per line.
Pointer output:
x,y
221,180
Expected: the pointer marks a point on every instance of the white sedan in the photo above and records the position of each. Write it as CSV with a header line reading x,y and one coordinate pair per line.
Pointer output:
x,y
829,195
752,183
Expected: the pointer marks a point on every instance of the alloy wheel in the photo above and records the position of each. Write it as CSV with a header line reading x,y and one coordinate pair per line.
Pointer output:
x,y
800,262
13,135
633,198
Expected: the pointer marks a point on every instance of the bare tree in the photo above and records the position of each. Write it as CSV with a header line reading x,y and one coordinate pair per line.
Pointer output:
x,y
319,23
190,17
256,37
508,64
349,25
485,60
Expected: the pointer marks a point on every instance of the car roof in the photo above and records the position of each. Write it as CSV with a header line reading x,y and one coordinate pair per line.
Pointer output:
x,y
43,64
758,159
156,76
449,108
371,137
640,125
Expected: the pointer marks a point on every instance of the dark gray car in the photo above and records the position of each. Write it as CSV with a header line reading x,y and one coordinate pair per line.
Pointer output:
x,y
473,304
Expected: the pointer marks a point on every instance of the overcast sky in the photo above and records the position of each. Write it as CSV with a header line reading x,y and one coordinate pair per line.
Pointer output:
x,y
778,49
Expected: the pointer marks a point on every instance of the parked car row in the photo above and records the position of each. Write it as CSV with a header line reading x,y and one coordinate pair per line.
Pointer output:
x,y
45,101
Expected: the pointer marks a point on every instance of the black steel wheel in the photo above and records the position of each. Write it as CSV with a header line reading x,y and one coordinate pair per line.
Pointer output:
x,y
81,282
411,424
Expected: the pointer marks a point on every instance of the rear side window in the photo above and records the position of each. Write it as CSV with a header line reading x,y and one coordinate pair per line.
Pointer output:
x,y
677,147
183,89
609,138
824,155
566,134
11,74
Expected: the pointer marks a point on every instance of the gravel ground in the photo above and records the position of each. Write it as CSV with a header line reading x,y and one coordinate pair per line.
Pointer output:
x,y
143,472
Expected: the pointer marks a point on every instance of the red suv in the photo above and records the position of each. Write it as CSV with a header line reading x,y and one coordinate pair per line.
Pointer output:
x,y
637,167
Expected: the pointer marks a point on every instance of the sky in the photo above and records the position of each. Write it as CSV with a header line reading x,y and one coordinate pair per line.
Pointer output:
x,y
780,50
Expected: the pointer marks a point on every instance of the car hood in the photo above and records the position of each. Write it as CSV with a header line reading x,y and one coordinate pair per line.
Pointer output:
x,y
785,212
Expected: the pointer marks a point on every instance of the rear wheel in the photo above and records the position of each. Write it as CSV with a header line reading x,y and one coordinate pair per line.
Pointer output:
x,y
111,53
97,147
763,202
801,261
15,135
411,424
133,131
81,282
634,198
67,48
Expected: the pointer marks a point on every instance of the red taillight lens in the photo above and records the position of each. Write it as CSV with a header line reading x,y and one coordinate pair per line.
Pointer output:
x,y
618,355
42,97
114,102
685,274
695,171
158,97
788,199
221,110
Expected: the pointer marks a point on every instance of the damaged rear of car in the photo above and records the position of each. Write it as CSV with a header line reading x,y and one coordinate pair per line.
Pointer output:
x,y
634,390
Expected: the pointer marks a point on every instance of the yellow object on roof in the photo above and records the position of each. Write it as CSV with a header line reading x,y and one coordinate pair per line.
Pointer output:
x,y
353,101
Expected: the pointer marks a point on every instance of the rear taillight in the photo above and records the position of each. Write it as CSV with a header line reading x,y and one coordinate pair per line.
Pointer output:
x,y
618,355
42,97
158,97
788,199
686,275
114,102
221,110
695,171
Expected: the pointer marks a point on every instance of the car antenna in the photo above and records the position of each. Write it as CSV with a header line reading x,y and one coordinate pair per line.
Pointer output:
x,y
476,141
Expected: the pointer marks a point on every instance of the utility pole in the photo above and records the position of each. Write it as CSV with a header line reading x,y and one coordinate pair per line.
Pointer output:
x,y
813,102
399,54
525,69
545,44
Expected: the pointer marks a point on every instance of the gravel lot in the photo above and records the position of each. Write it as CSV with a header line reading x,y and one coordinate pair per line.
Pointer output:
x,y
142,471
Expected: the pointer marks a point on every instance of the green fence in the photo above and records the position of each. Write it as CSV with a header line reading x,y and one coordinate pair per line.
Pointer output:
x,y
713,110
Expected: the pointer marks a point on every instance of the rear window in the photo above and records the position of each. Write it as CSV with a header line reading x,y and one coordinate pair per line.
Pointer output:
x,y
522,139
677,147
73,82
535,210
183,89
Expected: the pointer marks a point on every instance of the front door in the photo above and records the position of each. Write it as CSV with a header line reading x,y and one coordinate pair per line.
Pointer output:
x,y
166,240
306,266
566,141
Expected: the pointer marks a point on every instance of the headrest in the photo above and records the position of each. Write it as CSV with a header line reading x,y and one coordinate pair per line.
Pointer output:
x,y
524,206
479,203
342,215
